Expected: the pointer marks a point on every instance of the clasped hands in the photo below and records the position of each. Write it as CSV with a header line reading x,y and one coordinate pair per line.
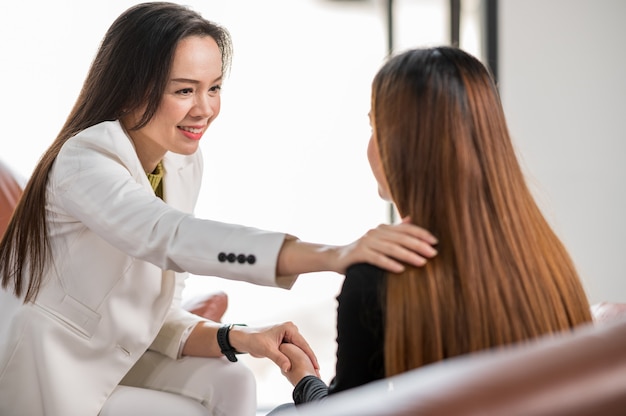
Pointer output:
x,y
301,364
281,343
269,342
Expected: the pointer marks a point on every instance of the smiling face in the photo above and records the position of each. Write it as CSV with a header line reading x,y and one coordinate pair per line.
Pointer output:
x,y
190,102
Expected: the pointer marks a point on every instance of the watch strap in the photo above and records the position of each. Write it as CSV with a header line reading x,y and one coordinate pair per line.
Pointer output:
x,y
224,342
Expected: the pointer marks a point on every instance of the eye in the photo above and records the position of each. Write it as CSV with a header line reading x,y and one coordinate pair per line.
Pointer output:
x,y
185,91
214,90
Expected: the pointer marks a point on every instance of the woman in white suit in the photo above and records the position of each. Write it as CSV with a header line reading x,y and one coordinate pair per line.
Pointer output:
x,y
93,260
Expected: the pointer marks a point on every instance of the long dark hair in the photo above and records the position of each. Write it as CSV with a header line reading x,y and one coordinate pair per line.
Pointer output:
x,y
129,72
501,275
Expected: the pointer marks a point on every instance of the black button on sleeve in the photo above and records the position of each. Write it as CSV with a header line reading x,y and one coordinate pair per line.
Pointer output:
x,y
221,257
231,257
241,258
251,259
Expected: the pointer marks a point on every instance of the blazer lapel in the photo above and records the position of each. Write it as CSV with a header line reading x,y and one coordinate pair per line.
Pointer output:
x,y
179,182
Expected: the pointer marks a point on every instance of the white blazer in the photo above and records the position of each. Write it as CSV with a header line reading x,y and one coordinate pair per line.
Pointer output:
x,y
113,287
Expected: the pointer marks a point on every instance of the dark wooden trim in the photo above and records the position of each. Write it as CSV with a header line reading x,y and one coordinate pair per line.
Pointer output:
x,y
391,210
455,22
390,27
491,35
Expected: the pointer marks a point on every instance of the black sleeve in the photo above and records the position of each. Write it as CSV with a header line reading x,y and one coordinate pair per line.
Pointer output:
x,y
309,389
360,336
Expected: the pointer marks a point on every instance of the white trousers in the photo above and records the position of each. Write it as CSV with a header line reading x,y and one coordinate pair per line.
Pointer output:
x,y
158,385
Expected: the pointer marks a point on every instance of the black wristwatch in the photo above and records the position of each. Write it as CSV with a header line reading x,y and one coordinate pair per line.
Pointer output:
x,y
224,342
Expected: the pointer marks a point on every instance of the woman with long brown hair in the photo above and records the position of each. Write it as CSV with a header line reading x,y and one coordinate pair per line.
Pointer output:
x,y
94,259
441,152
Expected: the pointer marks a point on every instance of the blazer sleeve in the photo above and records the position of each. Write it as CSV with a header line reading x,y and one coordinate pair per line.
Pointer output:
x,y
170,339
98,182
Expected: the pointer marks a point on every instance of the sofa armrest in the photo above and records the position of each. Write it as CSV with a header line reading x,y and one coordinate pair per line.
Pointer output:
x,y
576,373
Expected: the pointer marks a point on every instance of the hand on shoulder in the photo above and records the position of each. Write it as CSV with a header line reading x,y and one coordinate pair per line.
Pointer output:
x,y
390,246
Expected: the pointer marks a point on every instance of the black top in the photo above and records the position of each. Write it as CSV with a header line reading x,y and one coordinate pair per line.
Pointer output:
x,y
360,335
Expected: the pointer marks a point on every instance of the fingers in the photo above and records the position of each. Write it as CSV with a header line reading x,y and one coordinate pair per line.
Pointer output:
x,y
301,365
388,263
266,342
298,340
406,233
294,354
389,246
282,362
418,231
405,249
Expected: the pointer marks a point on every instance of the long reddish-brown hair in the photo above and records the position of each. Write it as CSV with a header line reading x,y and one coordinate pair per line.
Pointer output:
x,y
501,275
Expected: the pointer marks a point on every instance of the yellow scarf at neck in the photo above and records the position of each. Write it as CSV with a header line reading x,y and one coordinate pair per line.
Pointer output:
x,y
156,179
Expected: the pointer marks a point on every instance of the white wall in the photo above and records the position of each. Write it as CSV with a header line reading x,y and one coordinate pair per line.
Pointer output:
x,y
563,84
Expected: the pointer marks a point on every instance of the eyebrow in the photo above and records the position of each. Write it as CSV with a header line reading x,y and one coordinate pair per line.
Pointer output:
x,y
192,81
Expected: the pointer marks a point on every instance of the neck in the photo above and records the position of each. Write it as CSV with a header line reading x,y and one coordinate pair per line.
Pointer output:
x,y
149,153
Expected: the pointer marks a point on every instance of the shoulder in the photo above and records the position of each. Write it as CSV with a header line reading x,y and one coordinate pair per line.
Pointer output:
x,y
107,138
364,271
363,278
99,151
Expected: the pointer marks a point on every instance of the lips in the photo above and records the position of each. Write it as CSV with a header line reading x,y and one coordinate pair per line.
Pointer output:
x,y
192,133
194,130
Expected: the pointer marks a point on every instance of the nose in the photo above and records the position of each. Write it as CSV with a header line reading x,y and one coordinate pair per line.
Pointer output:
x,y
205,106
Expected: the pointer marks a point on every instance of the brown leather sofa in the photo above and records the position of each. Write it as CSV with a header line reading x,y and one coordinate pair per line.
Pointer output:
x,y
582,373
10,191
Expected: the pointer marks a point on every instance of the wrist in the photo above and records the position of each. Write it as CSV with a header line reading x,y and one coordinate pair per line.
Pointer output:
x,y
297,257
326,258
224,341
296,377
331,256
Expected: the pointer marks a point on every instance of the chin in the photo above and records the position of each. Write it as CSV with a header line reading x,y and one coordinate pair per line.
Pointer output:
x,y
384,195
187,150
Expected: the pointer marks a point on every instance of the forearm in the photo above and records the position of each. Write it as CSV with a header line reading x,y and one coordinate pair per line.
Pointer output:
x,y
202,341
297,257
389,247
256,341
